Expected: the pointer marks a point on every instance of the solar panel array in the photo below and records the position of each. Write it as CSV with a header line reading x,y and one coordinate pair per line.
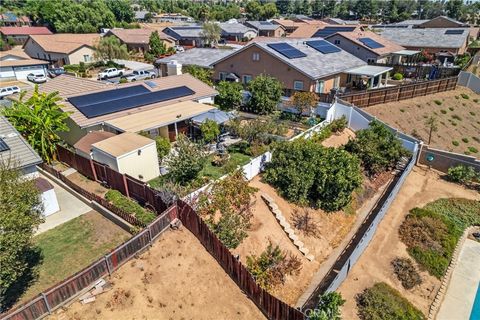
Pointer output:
x,y
325,32
3,145
111,101
287,50
372,44
454,31
323,46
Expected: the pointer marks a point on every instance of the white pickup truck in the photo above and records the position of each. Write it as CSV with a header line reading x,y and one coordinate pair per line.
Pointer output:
x,y
140,75
111,73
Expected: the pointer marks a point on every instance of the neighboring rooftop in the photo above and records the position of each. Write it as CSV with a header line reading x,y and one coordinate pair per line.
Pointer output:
x,y
136,36
13,54
85,143
359,37
14,148
123,143
24,31
305,31
234,28
263,25
65,42
10,17
178,32
16,57
203,57
426,38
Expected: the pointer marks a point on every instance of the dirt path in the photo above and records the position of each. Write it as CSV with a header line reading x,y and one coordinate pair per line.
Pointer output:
x,y
421,187
176,279
337,140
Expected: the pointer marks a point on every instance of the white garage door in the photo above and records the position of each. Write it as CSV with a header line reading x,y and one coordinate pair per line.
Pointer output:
x,y
22,72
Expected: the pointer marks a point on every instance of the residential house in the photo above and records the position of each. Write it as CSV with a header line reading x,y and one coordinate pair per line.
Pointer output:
x,y
288,25
432,40
190,36
367,45
15,64
10,19
62,48
138,39
161,106
19,35
338,21
234,31
172,18
442,22
266,28
305,64
318,30
16,153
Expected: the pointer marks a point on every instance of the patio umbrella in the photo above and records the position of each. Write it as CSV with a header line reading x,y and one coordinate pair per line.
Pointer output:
x,y
216,115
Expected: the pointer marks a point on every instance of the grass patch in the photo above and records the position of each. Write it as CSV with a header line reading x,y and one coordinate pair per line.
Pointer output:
x,y
455,143
473,149
432,232
438,102
215,172
130,206
383,302
465,96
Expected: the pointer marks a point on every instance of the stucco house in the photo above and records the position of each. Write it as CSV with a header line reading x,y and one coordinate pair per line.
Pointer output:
x,y
234,31
138,39
62,48
15,64
190,36
266,28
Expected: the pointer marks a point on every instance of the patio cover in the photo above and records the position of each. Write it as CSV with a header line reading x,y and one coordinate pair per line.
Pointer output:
x,y
369,71
159,117
406,52
216,115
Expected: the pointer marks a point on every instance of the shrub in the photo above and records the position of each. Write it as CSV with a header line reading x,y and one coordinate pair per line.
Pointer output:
x,y
272,266
438,102
465,96
457,97
328,307
122,80
402,110
462,174
456,117
455,143
475,100
397,76
229,95
465,140
266,93
338,125
472,149
383,302
130,206
163,147
210,130
451,108
472,113
443,111
406,272
322,135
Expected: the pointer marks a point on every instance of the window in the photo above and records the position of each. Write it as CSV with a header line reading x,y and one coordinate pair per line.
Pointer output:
x,y
371,60
337,42
319,86
336,82
246,78
222,76
86,58
298,85
256,56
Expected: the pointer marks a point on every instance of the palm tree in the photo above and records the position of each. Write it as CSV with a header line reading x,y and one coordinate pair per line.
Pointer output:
x,y
39,119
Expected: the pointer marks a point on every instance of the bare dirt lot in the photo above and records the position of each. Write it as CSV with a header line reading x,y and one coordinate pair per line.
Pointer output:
x,y
337,140
458,119
421,187
332,230
176,279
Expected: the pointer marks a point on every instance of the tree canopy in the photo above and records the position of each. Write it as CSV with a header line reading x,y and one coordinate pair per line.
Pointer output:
x,y
109,48
266,92
210,130
229,95
202,74
211,32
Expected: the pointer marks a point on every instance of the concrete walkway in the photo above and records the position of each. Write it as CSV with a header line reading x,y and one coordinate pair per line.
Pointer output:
x,y
70,208
463,285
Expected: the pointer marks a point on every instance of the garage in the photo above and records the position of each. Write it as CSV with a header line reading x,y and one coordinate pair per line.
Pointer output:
x,y
19,69
22,72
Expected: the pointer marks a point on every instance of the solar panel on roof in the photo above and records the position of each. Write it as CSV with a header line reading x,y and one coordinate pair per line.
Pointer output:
x,y
454,31
125,103
106,96
371,43
331,30
287,50
3,145
323,46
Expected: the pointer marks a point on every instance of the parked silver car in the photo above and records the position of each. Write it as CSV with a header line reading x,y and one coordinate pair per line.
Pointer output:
x,y
139,75
37,78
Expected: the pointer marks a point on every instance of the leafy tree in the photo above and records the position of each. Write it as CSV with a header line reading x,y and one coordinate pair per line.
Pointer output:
x,y
39,120
202,74
20,214
229,95
210,130
163,147
122,10
266,93
211,32
269,10
156,45
432,126
455,8
304,102
328,307
377,147
253,9
307,173
272,266
186,162
109,48
463,174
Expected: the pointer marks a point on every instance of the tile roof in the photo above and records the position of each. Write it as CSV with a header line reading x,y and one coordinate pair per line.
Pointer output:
x,y
460,24
234,28
178,32
263,25
16,51
203,57
425,37
65,42
85,142
23,62
305,31
24,31
411,22
20,153
68,86
137,36
123,143
388,46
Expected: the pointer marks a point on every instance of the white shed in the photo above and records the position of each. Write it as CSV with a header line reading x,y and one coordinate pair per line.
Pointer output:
x,y
48,196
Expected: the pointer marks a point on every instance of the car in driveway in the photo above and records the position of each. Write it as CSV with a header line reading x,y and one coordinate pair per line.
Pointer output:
x,y
111,73
36,78
6,91
55,72
139,75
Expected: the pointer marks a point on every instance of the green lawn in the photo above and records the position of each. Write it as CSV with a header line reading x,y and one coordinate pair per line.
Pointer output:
x,y
72,246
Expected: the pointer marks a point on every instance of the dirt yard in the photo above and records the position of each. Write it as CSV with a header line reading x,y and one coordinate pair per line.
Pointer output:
x,y
176,279
332,229
458,119
421,187
337,140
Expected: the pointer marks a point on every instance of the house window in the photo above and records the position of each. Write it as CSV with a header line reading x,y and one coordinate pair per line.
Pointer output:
x,y
371,60
256,56
319,86
336,82
222,76
246,78
298,85
337,42
86,58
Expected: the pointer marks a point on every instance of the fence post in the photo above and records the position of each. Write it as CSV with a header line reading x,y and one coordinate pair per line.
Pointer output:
x,y
108,265
149,235
93,170
46,303
125,185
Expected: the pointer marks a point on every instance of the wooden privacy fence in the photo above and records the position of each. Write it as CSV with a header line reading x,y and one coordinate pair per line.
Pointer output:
x,y
272,307
397,93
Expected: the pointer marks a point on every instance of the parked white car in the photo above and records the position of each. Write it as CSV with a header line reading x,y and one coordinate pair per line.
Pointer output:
x,y
111,73
140,75
179,48
6,91
36,78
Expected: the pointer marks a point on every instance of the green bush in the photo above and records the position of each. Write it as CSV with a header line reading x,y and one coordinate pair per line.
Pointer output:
x,y
163,147
130,206
438,102
397,76
473,149
475,100
328,307
465,96
465,140
382,302
472,113
456,117
443,111
455,143
338,125
462,174
123,80
406,272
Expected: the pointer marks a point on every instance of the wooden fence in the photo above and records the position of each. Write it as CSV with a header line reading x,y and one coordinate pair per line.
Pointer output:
x,y
397,93
421,71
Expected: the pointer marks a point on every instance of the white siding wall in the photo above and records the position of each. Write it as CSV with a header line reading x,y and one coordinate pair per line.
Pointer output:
x,y
144,166
105,159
